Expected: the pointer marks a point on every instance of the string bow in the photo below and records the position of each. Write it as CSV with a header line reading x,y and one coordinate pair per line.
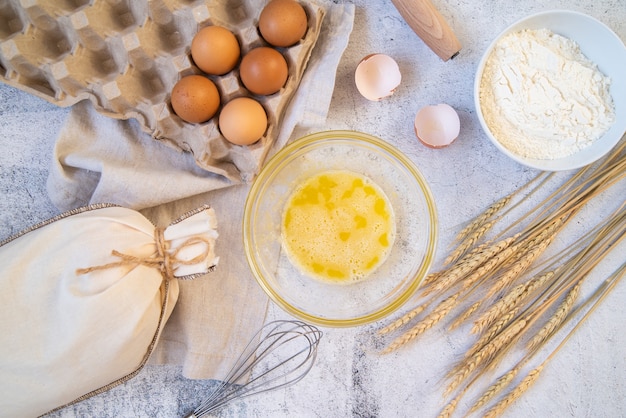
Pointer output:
x,y
165,260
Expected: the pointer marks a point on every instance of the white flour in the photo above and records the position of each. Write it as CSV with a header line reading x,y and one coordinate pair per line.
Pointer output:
x,y
542,98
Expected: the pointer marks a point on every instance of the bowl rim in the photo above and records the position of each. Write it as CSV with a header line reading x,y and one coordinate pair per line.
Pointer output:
x,y
544,165
342,135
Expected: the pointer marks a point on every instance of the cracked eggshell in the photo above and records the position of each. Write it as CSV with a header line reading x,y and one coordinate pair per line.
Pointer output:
x,y
377,76
437,126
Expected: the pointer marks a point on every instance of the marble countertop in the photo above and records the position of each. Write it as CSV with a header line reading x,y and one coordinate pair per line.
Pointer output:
x,y
586,379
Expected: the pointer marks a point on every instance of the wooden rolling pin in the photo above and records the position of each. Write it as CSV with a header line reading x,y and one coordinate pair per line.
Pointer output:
x,y
430,26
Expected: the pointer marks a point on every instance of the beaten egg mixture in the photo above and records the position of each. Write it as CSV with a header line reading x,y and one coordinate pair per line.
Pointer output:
x,y
338,226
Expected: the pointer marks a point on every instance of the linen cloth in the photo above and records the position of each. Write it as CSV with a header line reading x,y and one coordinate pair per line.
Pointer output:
x,y
103,160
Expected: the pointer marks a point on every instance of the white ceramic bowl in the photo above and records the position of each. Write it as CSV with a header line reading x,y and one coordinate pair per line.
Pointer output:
x,y
599,44
387,287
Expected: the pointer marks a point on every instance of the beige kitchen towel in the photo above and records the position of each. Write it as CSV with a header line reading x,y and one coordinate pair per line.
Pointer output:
x,y
215,315
99,159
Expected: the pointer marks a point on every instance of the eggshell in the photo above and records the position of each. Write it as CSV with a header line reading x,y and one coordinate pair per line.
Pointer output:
x,y
263,71
215,50
377,76
437,126
243,121
195,99
283,23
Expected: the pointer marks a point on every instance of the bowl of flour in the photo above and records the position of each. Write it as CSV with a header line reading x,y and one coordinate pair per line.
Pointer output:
x,y
550,90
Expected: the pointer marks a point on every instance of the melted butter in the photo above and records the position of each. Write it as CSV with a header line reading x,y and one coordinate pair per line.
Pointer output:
x,y
338,226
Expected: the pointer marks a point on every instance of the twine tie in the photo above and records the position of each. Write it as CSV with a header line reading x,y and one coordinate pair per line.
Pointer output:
x,y
164,260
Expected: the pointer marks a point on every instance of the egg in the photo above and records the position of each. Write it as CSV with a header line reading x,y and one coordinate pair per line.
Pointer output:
x,y
195,98
377,76
243,121
283,23
437,126
215,50
263,70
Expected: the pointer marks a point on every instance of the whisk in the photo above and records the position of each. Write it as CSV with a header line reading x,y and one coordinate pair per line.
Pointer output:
x,y
280,354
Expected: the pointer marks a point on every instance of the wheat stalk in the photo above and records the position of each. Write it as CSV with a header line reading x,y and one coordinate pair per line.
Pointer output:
x,y
431,277
505,304
497,206
483,356
472,260
461,268
474,265
597,297
547,176
514,298
449,409
579,189
594,300
465,315
515,393
575,269
426,323
468,243
502,251
557,318
482,273
519,267
492,331
480,220
502,382
404,319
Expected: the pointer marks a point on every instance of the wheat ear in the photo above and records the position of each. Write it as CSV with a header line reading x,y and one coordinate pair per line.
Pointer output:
x,y
492,331
505,304
431,278
484,254
557,318
515,393
514,298
497,206
519,267
449,409
449,277
481,274
594,300
404,319
501,252
502,382
468,243
465,315
483,356
426,323
480,220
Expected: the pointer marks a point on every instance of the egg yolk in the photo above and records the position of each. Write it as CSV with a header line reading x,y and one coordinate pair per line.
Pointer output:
x,y
338,226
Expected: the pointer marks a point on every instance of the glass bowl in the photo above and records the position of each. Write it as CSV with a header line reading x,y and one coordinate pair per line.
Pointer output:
x,y
393,282
599,44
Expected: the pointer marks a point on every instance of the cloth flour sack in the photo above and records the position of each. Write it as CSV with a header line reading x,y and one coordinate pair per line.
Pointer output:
x,y
84,298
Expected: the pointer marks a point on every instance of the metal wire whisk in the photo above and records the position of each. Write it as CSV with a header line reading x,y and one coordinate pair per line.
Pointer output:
x,y
280,354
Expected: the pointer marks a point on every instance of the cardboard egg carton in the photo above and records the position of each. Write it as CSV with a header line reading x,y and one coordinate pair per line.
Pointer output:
x,y
125,57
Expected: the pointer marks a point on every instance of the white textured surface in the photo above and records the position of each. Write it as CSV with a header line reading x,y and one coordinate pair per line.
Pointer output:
x,y
586,379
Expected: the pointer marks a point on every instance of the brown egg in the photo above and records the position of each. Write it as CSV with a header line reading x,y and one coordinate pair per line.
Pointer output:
x,y
195,99
283,22
215,50
263,70
243,121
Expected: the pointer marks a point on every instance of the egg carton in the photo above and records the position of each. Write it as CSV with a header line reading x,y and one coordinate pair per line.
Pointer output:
x,y
126,55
